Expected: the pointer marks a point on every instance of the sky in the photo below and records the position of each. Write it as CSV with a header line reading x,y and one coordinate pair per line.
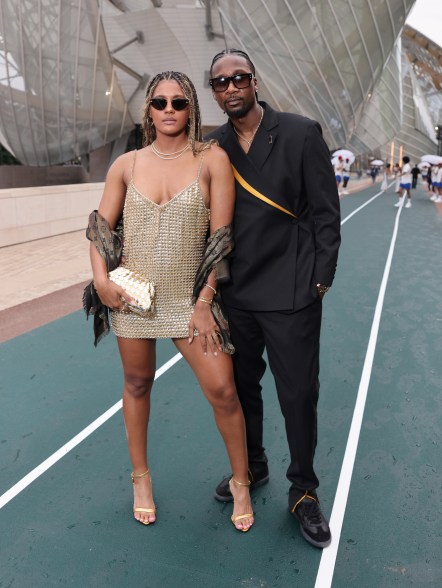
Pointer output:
x,y
426,17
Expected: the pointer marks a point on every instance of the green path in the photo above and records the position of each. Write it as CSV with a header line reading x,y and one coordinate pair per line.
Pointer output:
x,y
73,525
392,526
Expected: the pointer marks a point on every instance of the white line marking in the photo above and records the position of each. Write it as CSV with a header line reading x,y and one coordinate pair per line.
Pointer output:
x,y
50,461
328,558
363,205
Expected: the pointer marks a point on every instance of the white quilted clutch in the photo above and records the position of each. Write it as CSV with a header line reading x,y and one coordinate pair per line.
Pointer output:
x,y
138,287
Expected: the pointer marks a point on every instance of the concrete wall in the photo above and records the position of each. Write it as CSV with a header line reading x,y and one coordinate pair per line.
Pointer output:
x,y
23,176
35,213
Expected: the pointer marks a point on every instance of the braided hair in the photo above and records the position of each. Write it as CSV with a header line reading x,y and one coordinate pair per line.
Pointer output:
x,y
238,52
193,125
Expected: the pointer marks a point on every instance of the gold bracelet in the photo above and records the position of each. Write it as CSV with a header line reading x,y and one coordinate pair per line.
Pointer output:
x,y
211,287
206,300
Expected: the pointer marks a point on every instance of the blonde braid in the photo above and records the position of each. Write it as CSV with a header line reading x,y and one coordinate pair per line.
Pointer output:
x,y
193,126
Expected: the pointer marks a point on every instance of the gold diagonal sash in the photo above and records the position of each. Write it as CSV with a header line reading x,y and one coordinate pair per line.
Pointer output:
x,y
251,190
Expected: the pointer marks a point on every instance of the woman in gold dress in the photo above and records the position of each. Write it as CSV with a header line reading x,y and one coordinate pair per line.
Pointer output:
x,y
171,193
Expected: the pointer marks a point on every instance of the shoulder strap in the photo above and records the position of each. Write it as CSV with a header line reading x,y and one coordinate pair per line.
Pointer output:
x,y
244,167
251,190
133,166
200,165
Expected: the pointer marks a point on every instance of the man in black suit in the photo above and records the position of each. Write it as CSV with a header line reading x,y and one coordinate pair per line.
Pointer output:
x,y
287,236
415,174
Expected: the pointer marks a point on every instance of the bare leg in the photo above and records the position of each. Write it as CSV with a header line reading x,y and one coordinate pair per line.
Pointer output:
x,y
215,376
138,357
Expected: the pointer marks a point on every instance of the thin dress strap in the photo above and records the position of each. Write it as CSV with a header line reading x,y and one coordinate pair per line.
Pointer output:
x,y
200,165
133,165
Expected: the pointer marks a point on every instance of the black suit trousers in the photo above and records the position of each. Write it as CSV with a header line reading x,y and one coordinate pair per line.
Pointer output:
x,y
291,340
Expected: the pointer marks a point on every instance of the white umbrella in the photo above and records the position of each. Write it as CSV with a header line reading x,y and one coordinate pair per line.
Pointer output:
x,y
433,159
377,162
423,165
345,153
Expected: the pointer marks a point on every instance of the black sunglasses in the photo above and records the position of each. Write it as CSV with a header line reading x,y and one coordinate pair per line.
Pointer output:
x,y
240,81
177,103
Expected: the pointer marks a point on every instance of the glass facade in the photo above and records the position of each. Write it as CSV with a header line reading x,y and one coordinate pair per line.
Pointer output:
x,y
382,115
73,74
59,96
332,60
422,82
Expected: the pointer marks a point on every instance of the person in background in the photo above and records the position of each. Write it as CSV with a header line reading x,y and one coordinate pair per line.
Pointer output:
x,y
384,185
415,174
346,175
397,175
405,183
430,180
437,184
339,170
287,236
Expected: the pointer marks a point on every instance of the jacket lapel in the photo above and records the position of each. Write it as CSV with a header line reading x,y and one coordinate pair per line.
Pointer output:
x,y
263,142
229,143
250,164
265,138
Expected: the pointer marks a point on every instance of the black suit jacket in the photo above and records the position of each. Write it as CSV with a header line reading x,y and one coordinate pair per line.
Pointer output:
x,y
278,260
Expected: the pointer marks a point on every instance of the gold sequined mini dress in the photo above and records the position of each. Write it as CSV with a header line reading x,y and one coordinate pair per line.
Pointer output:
x,y
164,243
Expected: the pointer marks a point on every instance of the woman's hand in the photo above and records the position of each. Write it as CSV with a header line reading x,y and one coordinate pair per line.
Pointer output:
x,y
202,320
111,294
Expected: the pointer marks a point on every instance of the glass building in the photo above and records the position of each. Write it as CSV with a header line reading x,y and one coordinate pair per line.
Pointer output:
x,y
73,74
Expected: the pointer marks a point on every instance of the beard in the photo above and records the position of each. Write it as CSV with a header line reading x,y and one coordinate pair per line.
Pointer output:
x,y
239,111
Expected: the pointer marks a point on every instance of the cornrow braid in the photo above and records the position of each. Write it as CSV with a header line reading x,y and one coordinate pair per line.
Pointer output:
x,y
232,52
193,126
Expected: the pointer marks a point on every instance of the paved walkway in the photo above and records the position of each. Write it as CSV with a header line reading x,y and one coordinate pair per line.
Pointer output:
x,y
45,281
65,481
41,267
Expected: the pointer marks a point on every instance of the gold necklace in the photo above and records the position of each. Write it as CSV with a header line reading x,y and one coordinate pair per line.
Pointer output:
x,y
172,155
249,141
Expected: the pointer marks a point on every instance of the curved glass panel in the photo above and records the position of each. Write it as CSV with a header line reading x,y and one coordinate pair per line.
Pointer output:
x,y
381,116
413,141
321,58
59,96
73,74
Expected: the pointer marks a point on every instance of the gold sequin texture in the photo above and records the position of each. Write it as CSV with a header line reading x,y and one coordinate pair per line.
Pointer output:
x,y
164,243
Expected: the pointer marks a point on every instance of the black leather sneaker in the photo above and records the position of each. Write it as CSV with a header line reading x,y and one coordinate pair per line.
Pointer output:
x,y
313,525
257,476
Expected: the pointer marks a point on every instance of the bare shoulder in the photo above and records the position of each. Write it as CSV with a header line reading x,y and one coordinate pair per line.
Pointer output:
x,y
121,163
216,156
121,167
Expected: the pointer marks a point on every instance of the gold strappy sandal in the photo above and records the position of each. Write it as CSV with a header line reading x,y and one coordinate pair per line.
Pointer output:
x,y
140,509
244,516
